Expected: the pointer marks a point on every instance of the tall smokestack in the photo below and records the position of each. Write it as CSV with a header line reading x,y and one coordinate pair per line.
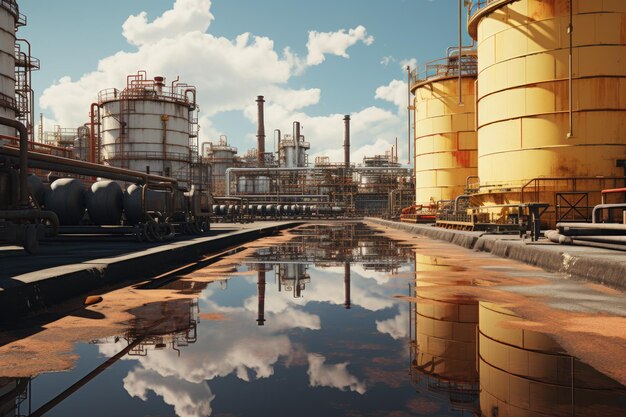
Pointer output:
x,y
261,296
260,134
346,140
346,285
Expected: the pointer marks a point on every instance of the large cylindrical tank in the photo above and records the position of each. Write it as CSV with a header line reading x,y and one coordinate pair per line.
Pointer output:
x,y
526,373
524,95
67,199
105,203
445,137
9,15
146,127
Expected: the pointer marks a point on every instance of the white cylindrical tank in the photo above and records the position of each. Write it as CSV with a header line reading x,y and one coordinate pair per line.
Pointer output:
x,y
146,127
9,15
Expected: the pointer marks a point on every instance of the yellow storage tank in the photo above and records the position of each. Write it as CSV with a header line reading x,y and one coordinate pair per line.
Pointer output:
x,y
445,137
524,110
526,373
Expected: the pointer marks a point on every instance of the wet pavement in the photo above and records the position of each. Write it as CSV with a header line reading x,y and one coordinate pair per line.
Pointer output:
x,y
335,320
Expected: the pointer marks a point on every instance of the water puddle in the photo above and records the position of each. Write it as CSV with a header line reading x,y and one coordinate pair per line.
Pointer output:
x,y
333,320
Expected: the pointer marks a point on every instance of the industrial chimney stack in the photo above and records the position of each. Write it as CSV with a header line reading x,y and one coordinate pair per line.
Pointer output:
x,y
260,135
346,141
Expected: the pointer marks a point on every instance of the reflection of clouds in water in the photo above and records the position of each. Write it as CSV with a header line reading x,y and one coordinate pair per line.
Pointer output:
x,y
395,327
333,376
237,346
188,399
327,285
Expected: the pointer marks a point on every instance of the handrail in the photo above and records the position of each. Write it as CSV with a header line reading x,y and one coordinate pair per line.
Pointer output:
x,y
445,68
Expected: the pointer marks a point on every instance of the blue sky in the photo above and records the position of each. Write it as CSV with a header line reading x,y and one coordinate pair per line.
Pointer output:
x,y
73,38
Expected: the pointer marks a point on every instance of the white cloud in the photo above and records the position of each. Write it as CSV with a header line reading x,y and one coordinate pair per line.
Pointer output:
x,y
410,62
185,16
386,60
188,399
333,376
334,43
395,92
228,74
395,327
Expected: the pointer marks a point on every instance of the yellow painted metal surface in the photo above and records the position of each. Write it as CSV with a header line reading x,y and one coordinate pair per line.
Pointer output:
x,y
523,92
445,139
526,373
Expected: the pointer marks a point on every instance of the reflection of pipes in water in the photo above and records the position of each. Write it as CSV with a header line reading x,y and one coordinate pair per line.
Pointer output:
x,y
261,296
346,285
83,381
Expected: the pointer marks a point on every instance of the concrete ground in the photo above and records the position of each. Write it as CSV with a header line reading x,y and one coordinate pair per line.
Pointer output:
x,y
69,266
602,266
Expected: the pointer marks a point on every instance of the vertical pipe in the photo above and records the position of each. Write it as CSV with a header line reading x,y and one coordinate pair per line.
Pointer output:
x,y
396,149
346,285
408,113
570,30
460,49
346,141
92,134
296,142
260,135
261,296
23,132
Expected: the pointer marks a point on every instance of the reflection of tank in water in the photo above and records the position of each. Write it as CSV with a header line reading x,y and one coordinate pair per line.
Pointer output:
x,y
293,277
526,373
444,361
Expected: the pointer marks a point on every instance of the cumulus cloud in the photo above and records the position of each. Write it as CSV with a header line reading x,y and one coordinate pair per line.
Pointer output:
x,y
408,62
395,327
185,16
333,376
395,92
386,60
188,399
228,73
334,43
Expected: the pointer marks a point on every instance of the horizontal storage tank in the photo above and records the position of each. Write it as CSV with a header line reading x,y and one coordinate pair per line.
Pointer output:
x,y
9,16
524,95
445,137
526,373
148,127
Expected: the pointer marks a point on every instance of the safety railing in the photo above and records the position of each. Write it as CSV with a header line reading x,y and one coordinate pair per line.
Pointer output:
x,y
445,67
147,156
478,5
143,93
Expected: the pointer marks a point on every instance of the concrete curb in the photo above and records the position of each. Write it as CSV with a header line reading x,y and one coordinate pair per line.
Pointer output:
x,y
600,266
38,290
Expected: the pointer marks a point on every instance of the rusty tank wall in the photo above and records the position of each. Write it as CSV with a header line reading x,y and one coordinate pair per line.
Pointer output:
x,y
9,15
445,138
526,373
523,92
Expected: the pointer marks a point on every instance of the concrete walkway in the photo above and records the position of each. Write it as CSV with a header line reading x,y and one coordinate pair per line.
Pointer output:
x,y
603,266
66,268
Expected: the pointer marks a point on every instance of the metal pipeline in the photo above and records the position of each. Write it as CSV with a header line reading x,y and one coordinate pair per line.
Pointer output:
x,y
15,183
73,166
570,31
408,111
92,133
597,209
23,155
268,171
460,50
459,198
32,214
